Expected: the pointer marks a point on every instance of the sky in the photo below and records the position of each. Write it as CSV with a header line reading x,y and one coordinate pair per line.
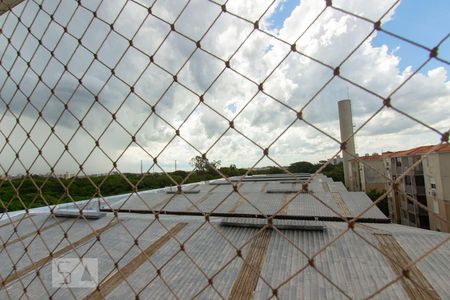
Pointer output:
x,y
424,22
127,130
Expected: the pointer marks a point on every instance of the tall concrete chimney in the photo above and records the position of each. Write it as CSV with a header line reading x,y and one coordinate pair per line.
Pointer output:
x,y
346,125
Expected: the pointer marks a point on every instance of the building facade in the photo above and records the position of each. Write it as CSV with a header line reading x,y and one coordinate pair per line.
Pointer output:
x,y
422,196
372,172
408,202
437,185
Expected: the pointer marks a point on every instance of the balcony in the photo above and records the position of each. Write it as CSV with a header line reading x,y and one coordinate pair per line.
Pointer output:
x,y
423,212
409,189
420,190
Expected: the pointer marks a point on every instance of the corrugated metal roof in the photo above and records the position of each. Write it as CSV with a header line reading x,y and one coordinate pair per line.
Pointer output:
x,y
353,262
350,262
261,198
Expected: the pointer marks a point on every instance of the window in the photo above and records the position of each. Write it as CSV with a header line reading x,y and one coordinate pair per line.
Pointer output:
x,y
420,180
432,183
412,218
407,180
422,199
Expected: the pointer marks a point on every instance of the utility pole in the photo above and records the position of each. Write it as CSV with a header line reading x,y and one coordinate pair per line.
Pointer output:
x,y
175,165
141,167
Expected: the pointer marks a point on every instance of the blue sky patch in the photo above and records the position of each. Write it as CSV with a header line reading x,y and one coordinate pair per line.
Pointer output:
x,y
424,22
281,13
232,107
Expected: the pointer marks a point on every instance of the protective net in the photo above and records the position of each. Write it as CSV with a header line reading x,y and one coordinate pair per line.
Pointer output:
x,y
120,114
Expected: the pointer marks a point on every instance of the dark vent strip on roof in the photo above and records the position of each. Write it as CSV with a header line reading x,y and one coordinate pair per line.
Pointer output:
x,y
280,179
286,175
76,213
284,191
282,224
183,192
258,179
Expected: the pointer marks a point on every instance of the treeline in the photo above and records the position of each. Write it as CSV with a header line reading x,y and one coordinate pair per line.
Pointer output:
x,y
37,191
334,171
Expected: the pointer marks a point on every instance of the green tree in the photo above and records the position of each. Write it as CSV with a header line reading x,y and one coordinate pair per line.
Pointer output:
x,y
302,167
336,172
203,165
232,170
382,204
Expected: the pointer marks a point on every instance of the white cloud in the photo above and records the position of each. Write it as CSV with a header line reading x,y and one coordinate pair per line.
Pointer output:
x,y
295,82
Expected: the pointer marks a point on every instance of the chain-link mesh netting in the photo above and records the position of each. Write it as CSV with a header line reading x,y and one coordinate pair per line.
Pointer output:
x,y
100,100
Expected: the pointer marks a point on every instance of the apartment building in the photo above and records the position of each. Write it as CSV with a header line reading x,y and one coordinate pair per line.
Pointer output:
x,y
372,172
422,198
408,203
436,168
